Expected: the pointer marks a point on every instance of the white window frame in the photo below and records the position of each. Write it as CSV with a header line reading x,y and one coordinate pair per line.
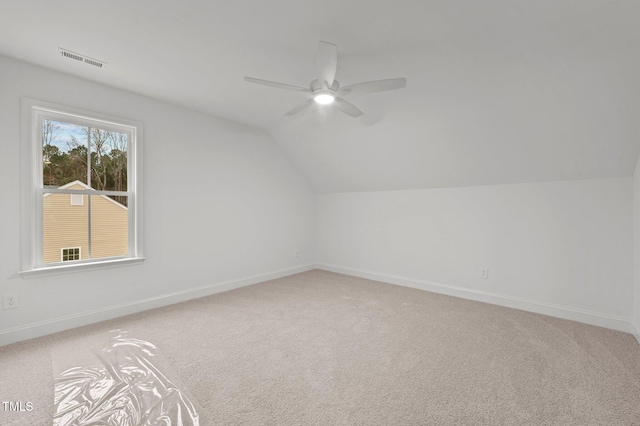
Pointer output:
x,y
33,111
77,199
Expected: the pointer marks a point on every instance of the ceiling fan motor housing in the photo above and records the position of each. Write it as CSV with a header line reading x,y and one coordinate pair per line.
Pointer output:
x,y
316,87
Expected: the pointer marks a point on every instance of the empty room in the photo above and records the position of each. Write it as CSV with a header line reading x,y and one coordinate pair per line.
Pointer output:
x,y
320,213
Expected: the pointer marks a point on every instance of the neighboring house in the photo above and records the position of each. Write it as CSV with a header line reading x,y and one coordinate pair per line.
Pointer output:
x,y
66,230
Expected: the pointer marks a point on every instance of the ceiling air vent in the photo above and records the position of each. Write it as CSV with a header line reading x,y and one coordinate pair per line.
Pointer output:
x,y
78,57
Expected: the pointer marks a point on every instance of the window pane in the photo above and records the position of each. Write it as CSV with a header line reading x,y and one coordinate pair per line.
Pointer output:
x,y
108,160
109,227
63,226
69,254
64,153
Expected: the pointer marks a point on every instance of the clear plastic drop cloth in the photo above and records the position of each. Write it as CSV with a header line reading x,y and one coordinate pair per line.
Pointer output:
x,y
121,383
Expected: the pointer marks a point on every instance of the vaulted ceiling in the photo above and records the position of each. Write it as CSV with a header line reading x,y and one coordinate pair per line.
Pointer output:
x,y
498,91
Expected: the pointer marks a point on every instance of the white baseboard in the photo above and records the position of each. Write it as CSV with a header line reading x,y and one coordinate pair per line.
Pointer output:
x,y
636,331
593,318
42,328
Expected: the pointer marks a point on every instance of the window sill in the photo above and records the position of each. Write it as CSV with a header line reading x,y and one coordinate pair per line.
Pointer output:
x,y
82,267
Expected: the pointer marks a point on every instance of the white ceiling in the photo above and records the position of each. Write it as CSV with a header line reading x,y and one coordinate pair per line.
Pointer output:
x,y
498,91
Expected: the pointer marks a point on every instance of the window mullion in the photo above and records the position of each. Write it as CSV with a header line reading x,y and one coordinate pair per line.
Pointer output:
x,y
89,157
89,196
89,224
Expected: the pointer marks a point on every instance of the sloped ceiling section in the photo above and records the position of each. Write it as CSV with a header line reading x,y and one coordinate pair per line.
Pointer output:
x,y
498,91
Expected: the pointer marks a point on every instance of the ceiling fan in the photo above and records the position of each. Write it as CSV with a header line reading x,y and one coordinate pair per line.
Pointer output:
x,y
326,90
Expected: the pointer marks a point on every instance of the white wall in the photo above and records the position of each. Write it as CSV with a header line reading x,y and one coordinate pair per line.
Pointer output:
x,y
222,205
559,248
636,250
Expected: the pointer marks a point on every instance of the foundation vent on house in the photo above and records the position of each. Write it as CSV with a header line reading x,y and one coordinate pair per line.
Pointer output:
x,y
78,57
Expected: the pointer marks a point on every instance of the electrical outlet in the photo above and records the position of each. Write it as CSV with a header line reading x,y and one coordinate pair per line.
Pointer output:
x,y
297,254
484,273
10,301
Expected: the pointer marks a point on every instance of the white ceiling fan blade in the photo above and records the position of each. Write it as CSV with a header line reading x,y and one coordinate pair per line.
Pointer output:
x,y
299,108
278,85
374,86
327,63
347,108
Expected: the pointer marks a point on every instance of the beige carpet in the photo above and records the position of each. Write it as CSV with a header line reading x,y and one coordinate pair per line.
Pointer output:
x,y
320,348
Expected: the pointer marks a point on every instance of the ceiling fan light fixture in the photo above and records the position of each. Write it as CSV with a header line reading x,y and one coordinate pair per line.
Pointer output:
x,y
324,98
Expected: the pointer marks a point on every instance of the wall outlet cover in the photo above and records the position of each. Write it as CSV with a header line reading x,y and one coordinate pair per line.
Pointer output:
x,y
10,301
484,273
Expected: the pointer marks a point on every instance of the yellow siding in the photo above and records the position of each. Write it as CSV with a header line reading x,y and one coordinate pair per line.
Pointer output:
x,y
66,226
109,228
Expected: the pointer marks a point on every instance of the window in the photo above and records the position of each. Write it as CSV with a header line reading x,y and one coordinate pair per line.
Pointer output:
x,y
82,194
70,254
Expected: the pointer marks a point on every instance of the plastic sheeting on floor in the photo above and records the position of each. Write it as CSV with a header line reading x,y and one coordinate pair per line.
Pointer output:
x,y
121,384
